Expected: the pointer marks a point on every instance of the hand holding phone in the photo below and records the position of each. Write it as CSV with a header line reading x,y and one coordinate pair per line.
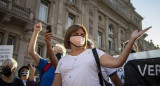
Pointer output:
x,y
49,28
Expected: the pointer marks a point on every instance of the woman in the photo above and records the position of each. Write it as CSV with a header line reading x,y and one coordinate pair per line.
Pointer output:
x,y
79,67
9,67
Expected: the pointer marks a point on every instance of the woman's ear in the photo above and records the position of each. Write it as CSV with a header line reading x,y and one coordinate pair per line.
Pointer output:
x,y
14,69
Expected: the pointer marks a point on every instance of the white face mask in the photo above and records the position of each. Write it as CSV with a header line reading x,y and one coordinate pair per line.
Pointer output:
x,y
77,41
24,73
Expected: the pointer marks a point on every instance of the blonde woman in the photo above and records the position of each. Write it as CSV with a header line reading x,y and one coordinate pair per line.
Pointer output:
x,y
9,67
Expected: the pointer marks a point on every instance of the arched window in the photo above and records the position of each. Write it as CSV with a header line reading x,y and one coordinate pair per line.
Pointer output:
x,y
110,29
100,18
99,39
110,37
70,19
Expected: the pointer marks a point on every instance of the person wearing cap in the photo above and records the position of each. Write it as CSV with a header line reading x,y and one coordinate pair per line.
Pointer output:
x,y
9,67
23,74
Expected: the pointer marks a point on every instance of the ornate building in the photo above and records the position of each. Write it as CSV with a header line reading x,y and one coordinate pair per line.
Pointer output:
x,y
109,23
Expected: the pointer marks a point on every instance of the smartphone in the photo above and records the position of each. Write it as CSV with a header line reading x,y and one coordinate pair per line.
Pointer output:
x,y
49,28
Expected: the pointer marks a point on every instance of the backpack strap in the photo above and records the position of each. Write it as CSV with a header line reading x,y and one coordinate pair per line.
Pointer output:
x,y
46,68
98,65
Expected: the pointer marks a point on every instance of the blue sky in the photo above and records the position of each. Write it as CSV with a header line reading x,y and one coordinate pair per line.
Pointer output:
x,y
150,11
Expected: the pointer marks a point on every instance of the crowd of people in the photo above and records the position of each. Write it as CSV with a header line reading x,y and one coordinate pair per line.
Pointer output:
x,y
77,68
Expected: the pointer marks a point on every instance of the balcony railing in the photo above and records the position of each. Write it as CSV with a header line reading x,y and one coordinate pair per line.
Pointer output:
x,y
16,9
3,4
117,6
120,9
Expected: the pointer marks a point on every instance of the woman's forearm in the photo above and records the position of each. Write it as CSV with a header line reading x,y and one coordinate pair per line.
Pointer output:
x,y
125,53
32,45
52,56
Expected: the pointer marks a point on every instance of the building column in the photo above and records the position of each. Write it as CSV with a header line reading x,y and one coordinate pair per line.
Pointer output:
x,y
5,38
119,38
60,18
23,45
37,5
95,27
106,33
50,14
85,14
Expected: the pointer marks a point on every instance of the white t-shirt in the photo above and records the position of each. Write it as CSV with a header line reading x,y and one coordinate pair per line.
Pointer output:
x,y
107,72
80,70
24,82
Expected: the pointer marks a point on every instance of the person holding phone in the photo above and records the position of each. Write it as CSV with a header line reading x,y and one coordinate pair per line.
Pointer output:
x,y
45,75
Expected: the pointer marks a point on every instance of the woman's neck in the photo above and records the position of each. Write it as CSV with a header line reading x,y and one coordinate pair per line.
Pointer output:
x,y
9,79
76,51
24,78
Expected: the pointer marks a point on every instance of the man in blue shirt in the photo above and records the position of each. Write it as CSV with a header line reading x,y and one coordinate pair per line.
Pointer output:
x,y
47,77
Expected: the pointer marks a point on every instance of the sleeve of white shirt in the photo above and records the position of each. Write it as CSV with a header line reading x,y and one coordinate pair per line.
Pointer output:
x,y
58,67
110,71
100,53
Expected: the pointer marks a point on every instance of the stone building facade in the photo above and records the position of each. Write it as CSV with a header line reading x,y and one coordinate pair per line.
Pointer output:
x,y
108,22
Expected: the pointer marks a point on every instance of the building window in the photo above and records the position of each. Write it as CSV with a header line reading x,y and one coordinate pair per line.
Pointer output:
x,y
43,11
11,40
110,45
110,29
73,1
122,32
100,18
110,39
91,12
1,35
40,50
100,39
70,20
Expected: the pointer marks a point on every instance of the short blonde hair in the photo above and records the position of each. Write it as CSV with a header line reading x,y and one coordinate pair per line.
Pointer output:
x,y
90,43
12,63
63,48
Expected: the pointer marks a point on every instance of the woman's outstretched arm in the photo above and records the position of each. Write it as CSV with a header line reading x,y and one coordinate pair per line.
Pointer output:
x,y
109,61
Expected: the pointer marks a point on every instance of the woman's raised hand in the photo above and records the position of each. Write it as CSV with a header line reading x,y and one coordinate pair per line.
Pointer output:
x,y
135,34
38,27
